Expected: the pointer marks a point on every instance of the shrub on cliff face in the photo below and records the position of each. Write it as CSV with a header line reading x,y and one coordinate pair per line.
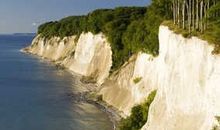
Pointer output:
x,y
137,80
139,115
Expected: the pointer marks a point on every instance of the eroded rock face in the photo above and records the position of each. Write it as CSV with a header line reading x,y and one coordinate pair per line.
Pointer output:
x,y
186,75
131,84
188,84
92,57
55,49
89,56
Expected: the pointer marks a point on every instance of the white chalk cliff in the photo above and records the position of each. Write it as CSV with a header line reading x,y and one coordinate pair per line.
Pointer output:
x,y
188,82
185,73
89,56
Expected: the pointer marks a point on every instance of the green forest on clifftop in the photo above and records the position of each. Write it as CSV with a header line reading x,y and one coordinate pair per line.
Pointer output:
x,y
128,29
133,29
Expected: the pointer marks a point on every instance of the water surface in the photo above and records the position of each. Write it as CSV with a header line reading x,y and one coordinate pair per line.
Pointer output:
x,y
33,94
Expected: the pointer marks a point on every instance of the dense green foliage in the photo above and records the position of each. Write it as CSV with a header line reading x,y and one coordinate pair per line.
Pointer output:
x,y
73,25
139,115
128,29
212,34
112,22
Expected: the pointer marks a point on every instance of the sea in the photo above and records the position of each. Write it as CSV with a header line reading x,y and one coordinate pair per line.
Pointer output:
x,y
34,93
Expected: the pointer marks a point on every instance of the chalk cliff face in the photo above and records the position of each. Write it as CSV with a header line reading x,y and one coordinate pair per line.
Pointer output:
x,y
188,78
89,56
131,84
55,49
185,74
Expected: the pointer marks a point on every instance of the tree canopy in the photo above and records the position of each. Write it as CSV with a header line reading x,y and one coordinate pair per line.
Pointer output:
x,y
133,29
128,29
195,15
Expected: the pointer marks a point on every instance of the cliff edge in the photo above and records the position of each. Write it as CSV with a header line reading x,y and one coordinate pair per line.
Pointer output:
x,y
185,74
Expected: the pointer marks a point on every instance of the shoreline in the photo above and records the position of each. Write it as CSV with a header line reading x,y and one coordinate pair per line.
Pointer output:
x,y
89,96
110,111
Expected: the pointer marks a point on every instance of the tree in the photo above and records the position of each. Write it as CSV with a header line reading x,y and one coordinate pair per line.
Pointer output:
x,y
195,13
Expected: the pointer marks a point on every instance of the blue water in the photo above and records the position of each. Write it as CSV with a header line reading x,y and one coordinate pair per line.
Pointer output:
x,y
33,94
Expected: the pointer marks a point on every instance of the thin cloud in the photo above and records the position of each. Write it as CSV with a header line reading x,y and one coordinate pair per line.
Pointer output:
x,y
34,24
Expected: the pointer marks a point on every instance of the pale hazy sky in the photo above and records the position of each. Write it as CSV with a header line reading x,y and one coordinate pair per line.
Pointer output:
x,y
26,15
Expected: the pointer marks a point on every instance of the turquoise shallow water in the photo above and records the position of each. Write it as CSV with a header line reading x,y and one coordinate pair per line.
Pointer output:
x,y
33,94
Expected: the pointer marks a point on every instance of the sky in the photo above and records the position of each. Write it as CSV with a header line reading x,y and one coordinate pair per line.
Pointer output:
x,y
24,16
